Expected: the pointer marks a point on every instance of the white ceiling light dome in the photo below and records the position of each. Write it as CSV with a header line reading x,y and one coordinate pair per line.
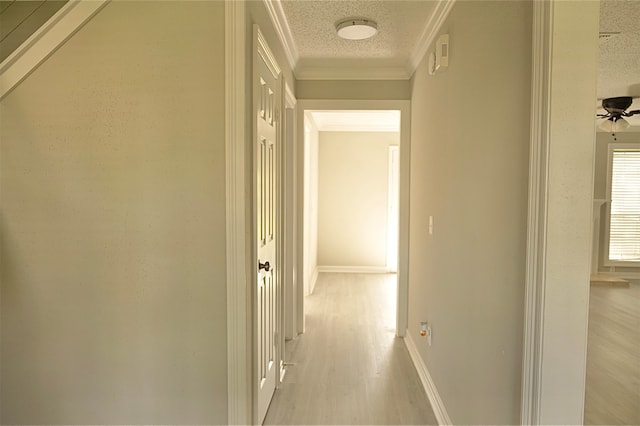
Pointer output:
x,y
357,28
612,126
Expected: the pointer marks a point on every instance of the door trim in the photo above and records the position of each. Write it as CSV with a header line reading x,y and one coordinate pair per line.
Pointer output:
x,y
288,191
559,225
393,204
239,354
404,106
536,237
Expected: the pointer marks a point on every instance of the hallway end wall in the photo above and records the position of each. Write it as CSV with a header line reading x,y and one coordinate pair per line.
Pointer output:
x,y
469,171
353,189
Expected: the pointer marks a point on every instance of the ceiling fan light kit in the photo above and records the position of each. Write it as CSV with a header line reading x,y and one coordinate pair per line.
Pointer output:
x,y
616,109
357,29
613,126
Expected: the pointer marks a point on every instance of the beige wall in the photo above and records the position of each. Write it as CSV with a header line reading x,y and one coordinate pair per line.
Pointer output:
x,y
469,170
349,89
113,222
353,198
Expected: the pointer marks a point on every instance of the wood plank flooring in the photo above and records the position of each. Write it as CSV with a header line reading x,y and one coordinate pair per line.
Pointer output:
x,y
613,356
349,366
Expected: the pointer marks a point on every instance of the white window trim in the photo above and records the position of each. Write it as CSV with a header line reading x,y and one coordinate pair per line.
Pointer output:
x,y
607,221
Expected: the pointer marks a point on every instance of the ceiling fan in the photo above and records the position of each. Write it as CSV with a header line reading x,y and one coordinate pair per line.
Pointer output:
x,y
616,109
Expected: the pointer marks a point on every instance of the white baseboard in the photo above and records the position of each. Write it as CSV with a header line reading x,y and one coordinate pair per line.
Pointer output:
x,y
429,387
314,280
355,269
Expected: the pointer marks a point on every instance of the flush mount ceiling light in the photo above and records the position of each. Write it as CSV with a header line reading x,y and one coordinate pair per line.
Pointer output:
x,y
356,29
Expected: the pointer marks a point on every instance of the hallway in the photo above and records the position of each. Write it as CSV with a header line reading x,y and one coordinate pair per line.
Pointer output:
x,y
349,368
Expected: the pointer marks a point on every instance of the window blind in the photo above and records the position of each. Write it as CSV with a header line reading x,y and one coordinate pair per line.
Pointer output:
x,y
624,227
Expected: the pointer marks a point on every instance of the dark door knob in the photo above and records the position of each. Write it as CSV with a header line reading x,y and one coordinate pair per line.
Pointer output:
x,y
264,266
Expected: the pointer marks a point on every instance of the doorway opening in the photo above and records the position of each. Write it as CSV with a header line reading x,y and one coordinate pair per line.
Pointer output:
x,y
613,338
352,193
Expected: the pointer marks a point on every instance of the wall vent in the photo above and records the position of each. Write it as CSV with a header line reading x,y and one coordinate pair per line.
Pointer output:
x,y
607,35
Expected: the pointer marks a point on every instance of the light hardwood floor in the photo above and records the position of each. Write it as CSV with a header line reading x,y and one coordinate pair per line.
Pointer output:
x,y
613,356
349,366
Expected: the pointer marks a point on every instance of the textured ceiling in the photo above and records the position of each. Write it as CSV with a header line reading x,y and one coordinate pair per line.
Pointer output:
x,y
619,68
619,63
400,23
400,26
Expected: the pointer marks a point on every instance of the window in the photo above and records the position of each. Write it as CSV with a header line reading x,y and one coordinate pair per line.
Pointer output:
x,y
623,192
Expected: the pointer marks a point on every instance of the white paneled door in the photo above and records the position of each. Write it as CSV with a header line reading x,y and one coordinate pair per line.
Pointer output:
x,y
266,108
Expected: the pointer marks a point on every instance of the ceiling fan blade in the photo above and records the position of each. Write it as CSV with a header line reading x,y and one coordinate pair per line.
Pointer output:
x,y
630,113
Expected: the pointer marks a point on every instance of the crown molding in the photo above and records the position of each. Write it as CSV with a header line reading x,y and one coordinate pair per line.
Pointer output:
x,y
345,72
281,25
431,28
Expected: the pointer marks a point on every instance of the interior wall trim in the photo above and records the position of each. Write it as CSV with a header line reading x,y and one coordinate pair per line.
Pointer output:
x,y
537,213
239,402
431,29
314,279
427,382
354,269
560,214
45,41
281,25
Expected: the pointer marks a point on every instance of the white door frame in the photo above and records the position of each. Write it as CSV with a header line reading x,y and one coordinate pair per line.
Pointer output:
x,y
405,156
288,190
393,204
238,176
565,53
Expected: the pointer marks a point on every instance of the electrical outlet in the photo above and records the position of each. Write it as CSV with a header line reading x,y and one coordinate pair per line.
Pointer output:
x,y
430,225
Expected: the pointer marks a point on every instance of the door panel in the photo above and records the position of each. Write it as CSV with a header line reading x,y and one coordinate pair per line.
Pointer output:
x,y
267,293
